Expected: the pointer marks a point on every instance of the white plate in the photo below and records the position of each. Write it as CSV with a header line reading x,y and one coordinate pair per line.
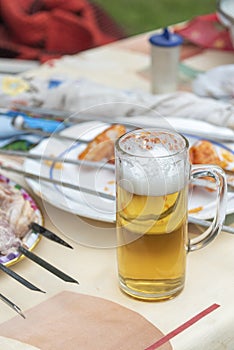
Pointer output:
x,y
90,206
69,200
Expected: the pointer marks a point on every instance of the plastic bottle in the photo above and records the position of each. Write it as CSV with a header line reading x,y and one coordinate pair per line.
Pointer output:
x,y
165,54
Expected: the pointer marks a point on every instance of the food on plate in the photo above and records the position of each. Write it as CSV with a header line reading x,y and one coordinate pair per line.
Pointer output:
x,y
201,152
204,152
8,239
16,213
56,165
102,146
195,210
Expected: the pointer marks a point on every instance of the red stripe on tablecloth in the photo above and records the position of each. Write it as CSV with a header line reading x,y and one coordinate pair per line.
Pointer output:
x,y
184,326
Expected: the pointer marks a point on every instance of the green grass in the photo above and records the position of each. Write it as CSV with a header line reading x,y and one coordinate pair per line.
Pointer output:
x,y
138,16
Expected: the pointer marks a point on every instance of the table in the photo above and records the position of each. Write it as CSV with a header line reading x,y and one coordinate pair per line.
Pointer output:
x,y
210,271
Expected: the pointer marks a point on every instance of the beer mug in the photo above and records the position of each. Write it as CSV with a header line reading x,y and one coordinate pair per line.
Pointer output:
x,y
153,175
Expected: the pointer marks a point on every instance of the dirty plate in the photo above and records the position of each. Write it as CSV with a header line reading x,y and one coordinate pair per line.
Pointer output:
x,y
201,201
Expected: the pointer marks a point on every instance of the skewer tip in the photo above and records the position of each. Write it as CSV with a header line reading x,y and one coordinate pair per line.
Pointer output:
x,y
21,313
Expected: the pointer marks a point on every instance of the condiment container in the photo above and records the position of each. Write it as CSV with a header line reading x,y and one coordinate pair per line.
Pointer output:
x,y
165,54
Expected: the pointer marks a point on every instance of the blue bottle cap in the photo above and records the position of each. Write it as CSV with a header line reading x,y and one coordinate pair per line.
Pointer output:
x,y
166,39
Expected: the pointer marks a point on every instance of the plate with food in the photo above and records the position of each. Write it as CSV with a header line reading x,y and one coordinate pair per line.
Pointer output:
x,y
99,147
98,179
17,210
204,151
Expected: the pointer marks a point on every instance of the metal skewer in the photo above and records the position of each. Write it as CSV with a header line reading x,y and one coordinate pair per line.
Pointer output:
x,y
46,265
206,223
58,182
126,121
19,124
193,220
35,156
48,234
90,164
12,305
43,111
55,135
19,278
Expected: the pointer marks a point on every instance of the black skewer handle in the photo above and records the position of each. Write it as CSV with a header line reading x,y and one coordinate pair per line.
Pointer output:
x,y
46,265
48,234
19,278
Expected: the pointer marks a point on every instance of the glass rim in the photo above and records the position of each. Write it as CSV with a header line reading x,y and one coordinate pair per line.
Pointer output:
x,y
150,129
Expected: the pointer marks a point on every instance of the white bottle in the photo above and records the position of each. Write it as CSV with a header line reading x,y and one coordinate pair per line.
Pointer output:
x,y
165,55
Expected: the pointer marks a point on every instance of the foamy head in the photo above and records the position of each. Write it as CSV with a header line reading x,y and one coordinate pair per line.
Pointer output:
x,y
153,162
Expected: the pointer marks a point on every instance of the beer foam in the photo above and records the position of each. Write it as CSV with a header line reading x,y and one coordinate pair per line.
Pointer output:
x,y
152,144
153,179
154,166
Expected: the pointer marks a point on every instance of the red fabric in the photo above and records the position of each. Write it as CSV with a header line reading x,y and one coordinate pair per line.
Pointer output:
x,y
44,29
207,32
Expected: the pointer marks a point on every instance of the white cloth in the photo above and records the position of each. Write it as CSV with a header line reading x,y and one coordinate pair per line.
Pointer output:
x,y
95,99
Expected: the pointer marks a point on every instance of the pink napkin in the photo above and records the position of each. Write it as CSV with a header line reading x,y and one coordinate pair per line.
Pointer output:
x,y
76,321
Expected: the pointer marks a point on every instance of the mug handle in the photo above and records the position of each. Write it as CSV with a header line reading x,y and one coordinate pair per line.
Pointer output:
x,y
215,227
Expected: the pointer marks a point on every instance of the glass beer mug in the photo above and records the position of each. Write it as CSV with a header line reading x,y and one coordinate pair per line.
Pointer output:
x,y
153,175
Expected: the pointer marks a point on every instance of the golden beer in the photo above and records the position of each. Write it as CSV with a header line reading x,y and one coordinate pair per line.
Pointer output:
x,y
153,173
152,243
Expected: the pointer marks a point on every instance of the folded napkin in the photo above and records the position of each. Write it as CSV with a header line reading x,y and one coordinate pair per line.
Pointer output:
x,y
76,321
90,98
217,82
95,100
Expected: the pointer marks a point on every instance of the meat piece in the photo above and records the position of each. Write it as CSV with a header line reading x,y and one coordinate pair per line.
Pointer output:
x,y
18,210
20,215
102,146
203,152
8,239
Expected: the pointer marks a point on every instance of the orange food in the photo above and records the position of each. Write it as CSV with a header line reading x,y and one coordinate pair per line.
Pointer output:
x,y
195,210
102,146
203,152
228,156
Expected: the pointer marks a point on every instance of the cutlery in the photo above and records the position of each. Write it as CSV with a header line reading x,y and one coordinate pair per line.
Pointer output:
x,y
42,112
126,121
100,194
57,182
206,223
19,124
19,278
46,265
55,160
48,234
89,164
12,305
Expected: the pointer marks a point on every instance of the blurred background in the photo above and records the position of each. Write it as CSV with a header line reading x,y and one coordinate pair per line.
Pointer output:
x,y
40,30
137,16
